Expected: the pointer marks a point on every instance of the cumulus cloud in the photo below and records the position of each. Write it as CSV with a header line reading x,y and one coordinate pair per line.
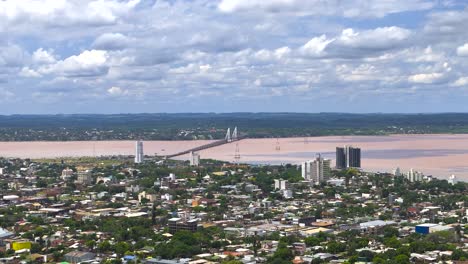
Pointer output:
x,y
176,51
448,24
463,50
426,78
54,13
88,63
29,73
462,81
111,41
116,91
351,8
316,46
11,55
379,38
41,56
353,43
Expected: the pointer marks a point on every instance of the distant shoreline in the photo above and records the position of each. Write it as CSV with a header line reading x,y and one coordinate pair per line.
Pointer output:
x,y
211,140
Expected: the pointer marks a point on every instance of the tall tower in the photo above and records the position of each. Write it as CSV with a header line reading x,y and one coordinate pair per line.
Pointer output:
x,y
317,170
348,157
194,159
139,151
228,135
353,157
234,135
340,158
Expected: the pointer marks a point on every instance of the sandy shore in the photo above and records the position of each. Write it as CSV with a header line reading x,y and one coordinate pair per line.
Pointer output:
x,y
439,155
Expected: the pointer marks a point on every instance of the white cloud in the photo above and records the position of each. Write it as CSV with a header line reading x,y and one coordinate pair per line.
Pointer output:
x,y
111,41
116,91
41,56
169,50
52,13
29,73
379,38
426,78
316,46
11,55
462,81
88,63
349,8
463,50
426,55
270,56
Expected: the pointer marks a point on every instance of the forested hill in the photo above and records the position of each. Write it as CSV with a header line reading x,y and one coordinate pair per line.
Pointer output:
x,y
212,125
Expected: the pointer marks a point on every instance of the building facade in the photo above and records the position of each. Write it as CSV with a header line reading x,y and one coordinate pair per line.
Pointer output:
x,y
317,170
281,184
414,176
139,151
194,159
348,157
177,224
84,177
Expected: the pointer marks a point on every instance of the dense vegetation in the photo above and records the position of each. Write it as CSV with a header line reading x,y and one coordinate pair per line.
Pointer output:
x,y
190,126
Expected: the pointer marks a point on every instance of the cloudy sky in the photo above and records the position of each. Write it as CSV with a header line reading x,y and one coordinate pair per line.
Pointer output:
x,y
126,56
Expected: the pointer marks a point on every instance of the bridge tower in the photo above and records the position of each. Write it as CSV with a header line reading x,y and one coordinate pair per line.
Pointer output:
x,y
234,135
228,135
237,154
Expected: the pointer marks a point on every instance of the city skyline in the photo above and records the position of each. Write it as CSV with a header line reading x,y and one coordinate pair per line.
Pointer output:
x,y
146,56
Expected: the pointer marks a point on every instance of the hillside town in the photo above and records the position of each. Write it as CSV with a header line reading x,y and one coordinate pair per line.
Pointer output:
x,y
145,209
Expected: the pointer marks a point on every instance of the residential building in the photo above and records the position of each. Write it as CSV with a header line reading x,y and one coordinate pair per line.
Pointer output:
x,y
84,177
66,174
281,184
431,228
414,176
396,172
79,256
452,179
177,224
317,170
194,159
139,152
348,157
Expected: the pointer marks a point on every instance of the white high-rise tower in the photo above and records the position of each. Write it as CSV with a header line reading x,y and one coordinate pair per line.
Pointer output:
x,y
317,170
139,151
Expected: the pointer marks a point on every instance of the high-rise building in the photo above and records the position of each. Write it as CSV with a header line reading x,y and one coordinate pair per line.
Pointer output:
x,y
397,172
317,170
281,184
348,157
194,159
452,180
84,177
139,151
414,176
66,174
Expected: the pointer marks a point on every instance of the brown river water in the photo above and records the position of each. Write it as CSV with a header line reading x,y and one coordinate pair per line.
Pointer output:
x,y
439,155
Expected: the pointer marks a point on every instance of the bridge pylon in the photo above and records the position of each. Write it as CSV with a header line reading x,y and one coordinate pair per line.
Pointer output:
x,y
228,135
234,136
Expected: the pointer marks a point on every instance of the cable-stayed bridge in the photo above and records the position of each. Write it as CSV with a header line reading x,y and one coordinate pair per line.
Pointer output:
x,y
229,138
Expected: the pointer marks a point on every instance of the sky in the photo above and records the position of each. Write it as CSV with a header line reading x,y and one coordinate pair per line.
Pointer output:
x,y
135,56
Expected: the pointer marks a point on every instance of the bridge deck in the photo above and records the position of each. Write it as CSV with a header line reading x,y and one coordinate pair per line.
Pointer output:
x,y
206,146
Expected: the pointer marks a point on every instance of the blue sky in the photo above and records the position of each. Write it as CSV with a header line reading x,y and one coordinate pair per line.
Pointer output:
x,y
133,56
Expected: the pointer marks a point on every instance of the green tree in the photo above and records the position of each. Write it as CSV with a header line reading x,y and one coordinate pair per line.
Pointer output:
x,y
401,259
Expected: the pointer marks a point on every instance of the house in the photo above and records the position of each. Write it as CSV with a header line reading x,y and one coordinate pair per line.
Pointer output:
x,y
79,256
4,234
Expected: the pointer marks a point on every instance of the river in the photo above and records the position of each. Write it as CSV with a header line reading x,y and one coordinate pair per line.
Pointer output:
x,y
440,155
